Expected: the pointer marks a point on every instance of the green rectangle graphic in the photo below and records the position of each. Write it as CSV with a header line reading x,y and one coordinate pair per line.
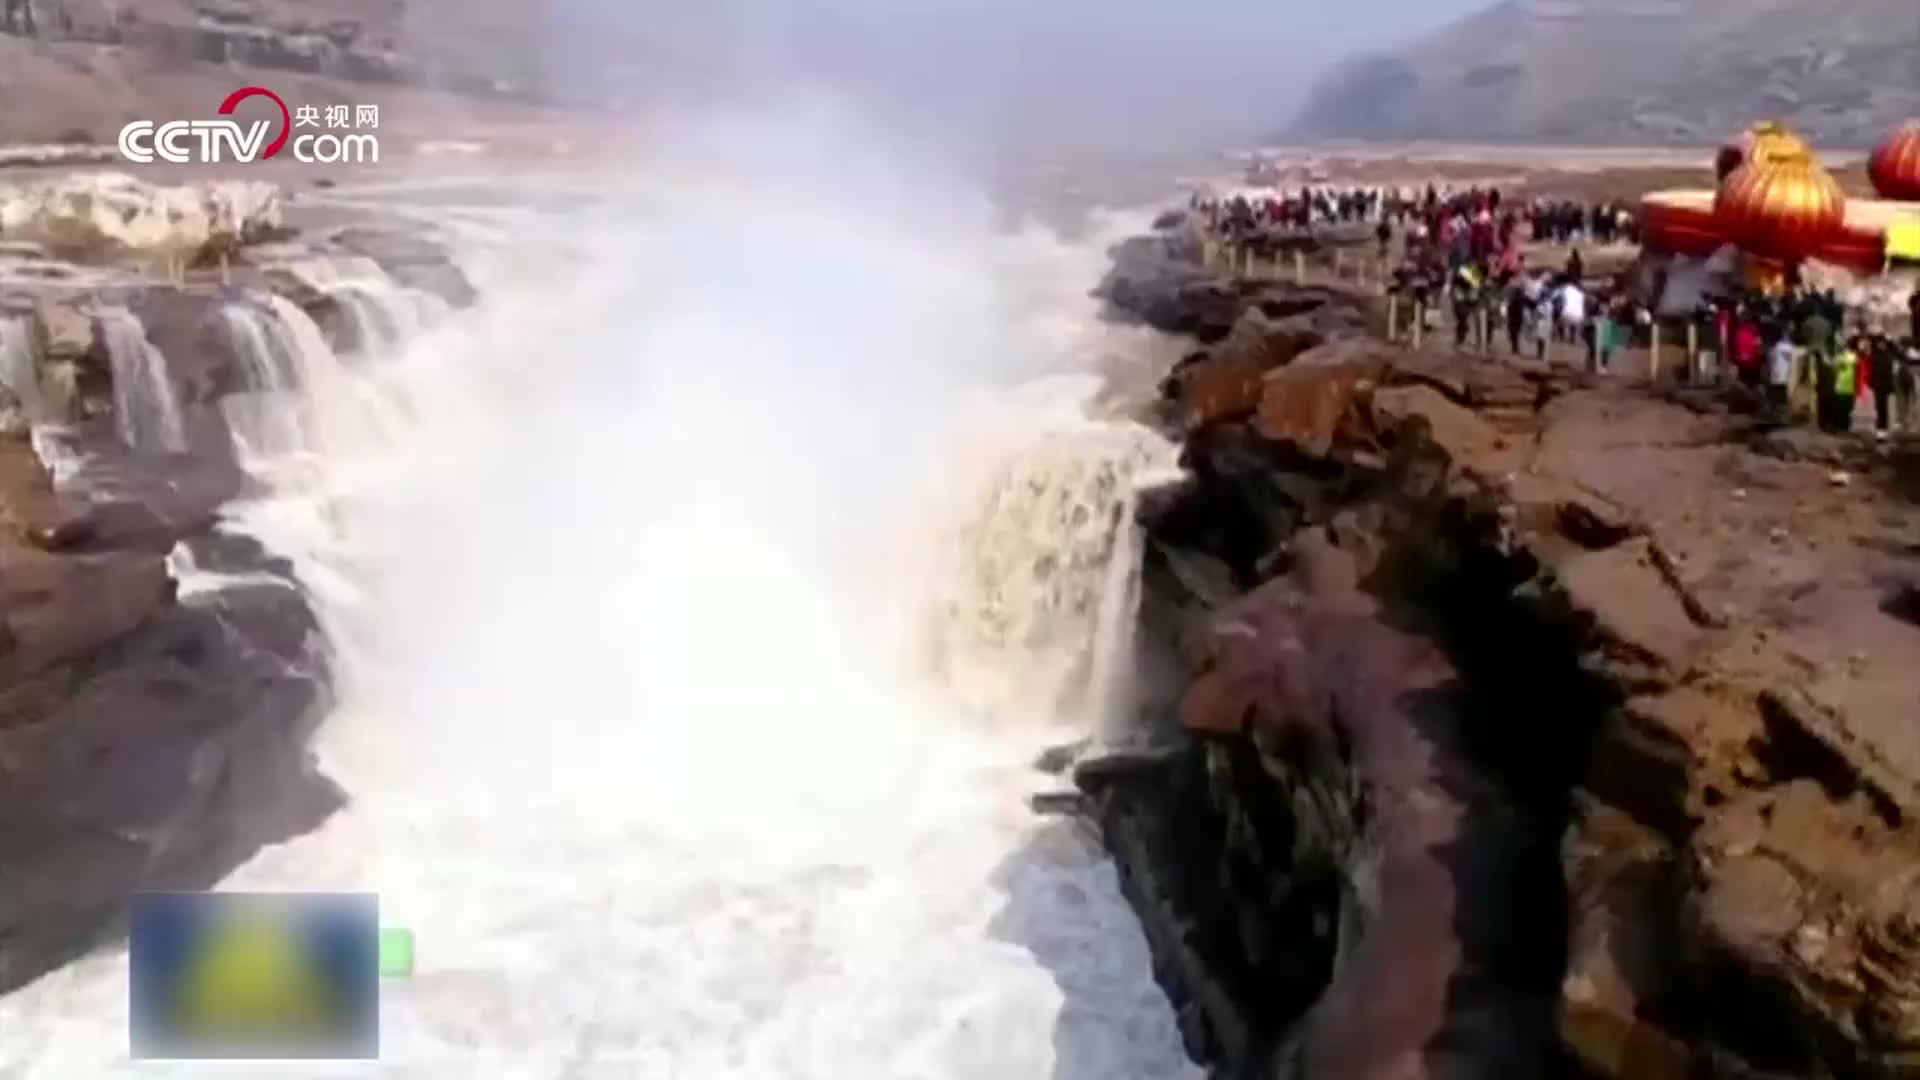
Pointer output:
x,y
396,953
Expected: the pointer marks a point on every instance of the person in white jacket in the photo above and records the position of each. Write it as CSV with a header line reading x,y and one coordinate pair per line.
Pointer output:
x,y
1573,310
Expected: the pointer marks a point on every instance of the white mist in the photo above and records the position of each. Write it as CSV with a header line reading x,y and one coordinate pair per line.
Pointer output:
x,y
642,581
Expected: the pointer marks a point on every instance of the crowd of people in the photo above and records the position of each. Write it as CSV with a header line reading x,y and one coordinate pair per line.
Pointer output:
x,y
1562,221
1802,350
1244,213
1461,255
1424,212
1811,357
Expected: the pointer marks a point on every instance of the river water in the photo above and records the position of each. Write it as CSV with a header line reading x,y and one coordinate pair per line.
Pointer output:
x,y
699,603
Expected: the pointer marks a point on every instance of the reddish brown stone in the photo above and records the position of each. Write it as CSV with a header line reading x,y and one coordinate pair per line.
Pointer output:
x,y
1311,407
1457,428
1325,689
1212,392
144,744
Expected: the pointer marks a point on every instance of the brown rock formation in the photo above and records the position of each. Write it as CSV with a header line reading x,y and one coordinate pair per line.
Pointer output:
x,y
151,740
144,743
1672,640
1431,977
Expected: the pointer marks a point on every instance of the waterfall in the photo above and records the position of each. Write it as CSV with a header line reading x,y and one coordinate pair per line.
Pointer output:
x,y
382,314
1043,593
263,422
146,405
1110,685
57,448
195,581
295,383
601,563
18,367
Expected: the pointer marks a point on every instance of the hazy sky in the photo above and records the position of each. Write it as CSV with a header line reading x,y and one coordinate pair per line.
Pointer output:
x,y
1097,72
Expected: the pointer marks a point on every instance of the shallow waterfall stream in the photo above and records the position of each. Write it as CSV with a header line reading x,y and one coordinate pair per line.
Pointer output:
x,y
700,603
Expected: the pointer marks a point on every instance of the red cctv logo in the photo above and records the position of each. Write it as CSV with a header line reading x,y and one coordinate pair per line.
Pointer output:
x,y
182,142
286,118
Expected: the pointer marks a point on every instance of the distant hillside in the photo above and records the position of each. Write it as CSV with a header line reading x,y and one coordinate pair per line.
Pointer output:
x,y
79,69
1635,71
481,47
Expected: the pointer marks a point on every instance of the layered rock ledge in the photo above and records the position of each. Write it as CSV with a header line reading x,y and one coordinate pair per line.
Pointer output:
x,y
146,742
159,674
1532,725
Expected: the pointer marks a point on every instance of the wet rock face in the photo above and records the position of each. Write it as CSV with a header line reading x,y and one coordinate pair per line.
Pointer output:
x,y
1158,280
145,741
204,359
1435,974
202,355
1643,679
153,731
360,287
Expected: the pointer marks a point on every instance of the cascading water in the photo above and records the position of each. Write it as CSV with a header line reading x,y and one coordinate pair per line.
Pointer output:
x,y
380,324
264,425
1042,600
18,371
632,699
380,313
146,405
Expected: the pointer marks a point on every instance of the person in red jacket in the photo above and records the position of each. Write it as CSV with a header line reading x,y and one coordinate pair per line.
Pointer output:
x,y
1748,348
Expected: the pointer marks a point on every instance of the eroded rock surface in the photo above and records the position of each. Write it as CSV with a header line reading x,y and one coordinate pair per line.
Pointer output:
x,y
1432,975
159,678
146,741
1686,671
94,217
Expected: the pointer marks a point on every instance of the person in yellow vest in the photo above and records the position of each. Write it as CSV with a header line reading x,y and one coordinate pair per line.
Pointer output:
x,y
1845,384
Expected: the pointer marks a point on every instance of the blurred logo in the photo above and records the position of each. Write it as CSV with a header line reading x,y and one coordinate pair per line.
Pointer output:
x,y
183,142
238,975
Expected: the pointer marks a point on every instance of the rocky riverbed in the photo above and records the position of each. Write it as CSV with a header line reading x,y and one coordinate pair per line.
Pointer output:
x,y
1521,724
159,674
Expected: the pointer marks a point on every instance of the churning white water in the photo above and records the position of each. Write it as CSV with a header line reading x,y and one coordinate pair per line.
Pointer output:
x,y
700,606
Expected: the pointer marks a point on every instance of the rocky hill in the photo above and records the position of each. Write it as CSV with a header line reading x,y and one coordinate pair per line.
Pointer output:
x,y
88,66
485,48
1634,71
